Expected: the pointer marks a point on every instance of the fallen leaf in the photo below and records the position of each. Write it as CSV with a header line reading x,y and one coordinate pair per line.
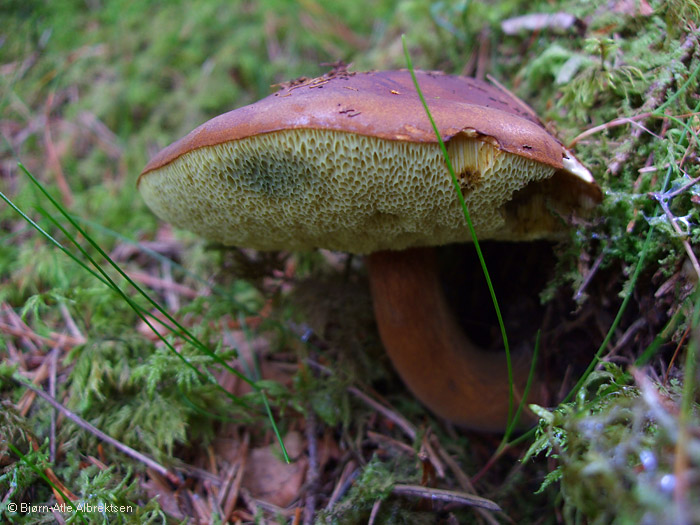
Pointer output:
x,y
269,478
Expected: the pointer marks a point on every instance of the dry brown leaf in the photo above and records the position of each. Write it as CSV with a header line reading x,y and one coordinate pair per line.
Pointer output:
x,y
157,487
269,478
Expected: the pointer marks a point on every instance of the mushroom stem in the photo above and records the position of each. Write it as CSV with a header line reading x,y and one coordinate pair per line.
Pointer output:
x,y
448,373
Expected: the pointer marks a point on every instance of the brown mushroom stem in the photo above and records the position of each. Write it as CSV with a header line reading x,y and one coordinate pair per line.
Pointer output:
x,y
451,376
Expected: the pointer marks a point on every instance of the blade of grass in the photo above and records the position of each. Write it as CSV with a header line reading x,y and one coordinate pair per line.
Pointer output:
x,y
164,259
43,476
258,375
683,88
660,339
105,278
611,331
618,318
472,232
526,391
143,314
638,268
181,329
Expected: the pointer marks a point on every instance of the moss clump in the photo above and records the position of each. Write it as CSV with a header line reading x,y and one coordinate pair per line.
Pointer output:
x,y
617,449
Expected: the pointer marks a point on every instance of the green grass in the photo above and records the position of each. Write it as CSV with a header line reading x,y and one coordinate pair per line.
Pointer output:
x,y
89,91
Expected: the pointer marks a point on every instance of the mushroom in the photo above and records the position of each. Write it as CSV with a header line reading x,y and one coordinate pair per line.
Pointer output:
x,y
350,162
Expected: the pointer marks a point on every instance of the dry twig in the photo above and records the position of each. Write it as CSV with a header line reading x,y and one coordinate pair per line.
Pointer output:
x,y
138,456
449,496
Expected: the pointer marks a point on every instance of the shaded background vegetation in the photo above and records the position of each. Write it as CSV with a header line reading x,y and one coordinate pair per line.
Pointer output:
x,y
89,90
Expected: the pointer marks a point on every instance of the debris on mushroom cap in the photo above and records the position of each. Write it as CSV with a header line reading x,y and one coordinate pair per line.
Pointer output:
x,y
351,162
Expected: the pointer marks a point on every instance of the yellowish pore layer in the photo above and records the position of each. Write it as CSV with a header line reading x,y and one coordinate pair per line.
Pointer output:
x,y
303,189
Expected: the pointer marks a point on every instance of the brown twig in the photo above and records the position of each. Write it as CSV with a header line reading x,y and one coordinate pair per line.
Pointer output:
x,y
608,125
53,159
107,139
396,418
347,476
400,421
312,474
626,337
166,285
57,486
70,323
17,327
53,358
448,496
463,480
679,347
39,376
432,456
391,442
231,485
149,462
589,276
375,510
172,299
63,341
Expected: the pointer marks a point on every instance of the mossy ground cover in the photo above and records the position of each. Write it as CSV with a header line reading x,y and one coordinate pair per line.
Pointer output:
x,y
225,350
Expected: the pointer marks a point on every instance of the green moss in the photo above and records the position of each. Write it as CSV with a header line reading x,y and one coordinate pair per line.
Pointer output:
x,y
114,81
615,447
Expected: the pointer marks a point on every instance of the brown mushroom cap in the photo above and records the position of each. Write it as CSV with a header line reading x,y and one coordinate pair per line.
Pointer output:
x,y
350,162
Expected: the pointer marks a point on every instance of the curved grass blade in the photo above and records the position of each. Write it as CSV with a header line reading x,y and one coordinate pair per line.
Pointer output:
x,y
104,277
472,231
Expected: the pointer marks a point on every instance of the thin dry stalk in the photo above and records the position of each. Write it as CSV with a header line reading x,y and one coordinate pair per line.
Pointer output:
x,y
393,416
230,491
138,456
347,476
172,299
62,341
17,327
432,456
609,125
58,488
375,511
200,508
391,442
448,496
626,337
462,478
166,285
70,323
312,473
52,358
27,400
53,159
589,276
679,347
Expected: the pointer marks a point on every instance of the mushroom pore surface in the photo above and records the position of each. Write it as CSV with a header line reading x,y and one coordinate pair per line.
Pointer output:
x,y
311,188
